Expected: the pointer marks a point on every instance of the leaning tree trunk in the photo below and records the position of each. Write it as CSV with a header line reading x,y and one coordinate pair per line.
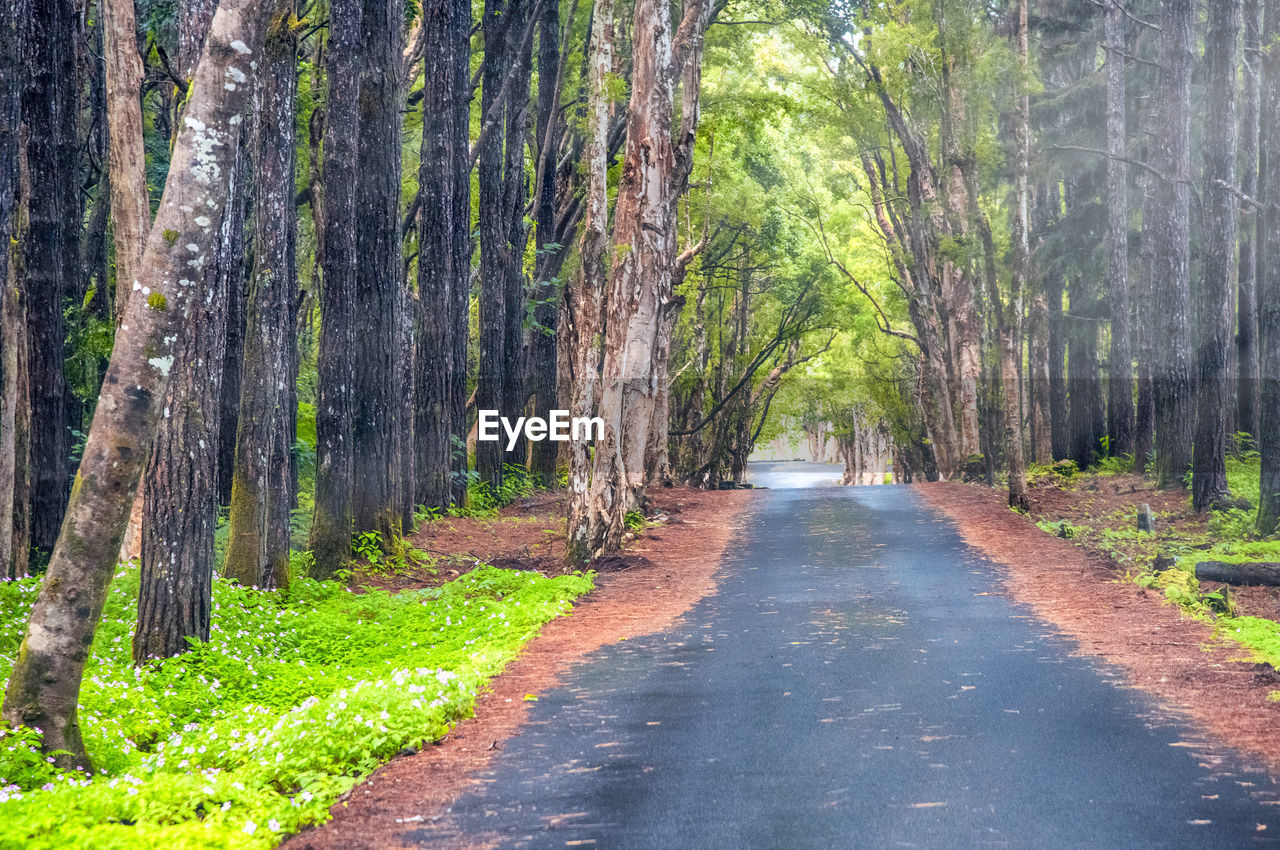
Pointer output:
x,y
50,92
331,527
585,292
1269,284
375,499
1247,286
1120,361
44,687
261,491
444,237
1170,231
1214,310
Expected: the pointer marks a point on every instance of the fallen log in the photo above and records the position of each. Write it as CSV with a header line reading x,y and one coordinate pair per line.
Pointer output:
x,y
1253,573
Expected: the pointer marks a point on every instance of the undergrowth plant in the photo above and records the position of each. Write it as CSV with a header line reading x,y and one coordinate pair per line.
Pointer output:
x,y
254,734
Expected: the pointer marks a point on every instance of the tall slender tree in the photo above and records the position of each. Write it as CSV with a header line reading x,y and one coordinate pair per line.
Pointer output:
x,y
1247,275
444,257
379,300
1214,310
1120,360
1170,233
331,528
261,489
1269,280
50,249
12,20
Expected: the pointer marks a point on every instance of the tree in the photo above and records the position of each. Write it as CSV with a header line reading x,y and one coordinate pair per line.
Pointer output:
x,y
1269,281
444,257
262,488
1169,230
180,491
654,173
585,293
1214,310
331,528
50,254
45,683
13,558
379,299
508,28
1247,286
1120,362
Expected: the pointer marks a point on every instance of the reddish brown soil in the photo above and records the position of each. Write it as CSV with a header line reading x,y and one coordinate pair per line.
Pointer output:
x,y
1175,658
658,577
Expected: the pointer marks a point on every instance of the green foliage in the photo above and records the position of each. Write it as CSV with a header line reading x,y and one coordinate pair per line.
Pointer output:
x,y
484,500
254,734
634,520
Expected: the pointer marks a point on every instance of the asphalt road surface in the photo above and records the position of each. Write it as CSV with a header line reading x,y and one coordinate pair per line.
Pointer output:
x,y
858,681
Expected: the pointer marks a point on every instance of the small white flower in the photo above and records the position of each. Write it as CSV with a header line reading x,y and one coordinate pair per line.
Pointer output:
x,y
249,828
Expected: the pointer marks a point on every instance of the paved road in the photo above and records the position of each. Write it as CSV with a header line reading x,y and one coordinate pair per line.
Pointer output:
x,y
858,681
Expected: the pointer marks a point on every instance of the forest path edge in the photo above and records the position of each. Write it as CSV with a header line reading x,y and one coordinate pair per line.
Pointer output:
x,y
657,579
1178,660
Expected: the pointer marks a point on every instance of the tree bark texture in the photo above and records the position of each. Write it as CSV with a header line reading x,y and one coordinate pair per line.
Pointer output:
x,y
1170,231
13,396
261,488
584,296
1120,360
1247,272
541,360
45,684
130,207
1269,282
1215,308
375,500
49,98
503,235
444,258
331,527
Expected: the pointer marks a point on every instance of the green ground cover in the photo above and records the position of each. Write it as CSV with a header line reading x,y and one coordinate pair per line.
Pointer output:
x,y
254,734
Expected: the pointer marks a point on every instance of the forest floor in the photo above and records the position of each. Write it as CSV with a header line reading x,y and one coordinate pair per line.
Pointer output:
x,y
1079,562
667,568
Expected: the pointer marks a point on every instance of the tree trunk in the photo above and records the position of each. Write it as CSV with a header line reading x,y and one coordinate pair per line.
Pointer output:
x,y
1058,410
49,95
503,235
1269,283
585,293
130,209
1247,289
180,493
375,502
1254,574
1214,308
1010,339
541,376
1171,231
1084,390
1120,360
261,489
45,684
13,14
444,258
332,526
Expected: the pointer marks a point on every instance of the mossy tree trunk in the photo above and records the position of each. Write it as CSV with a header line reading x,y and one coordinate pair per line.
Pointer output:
x,y
44,687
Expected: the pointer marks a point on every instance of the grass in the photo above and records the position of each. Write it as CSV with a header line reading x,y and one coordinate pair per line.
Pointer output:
x,y
1228,536
254,734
